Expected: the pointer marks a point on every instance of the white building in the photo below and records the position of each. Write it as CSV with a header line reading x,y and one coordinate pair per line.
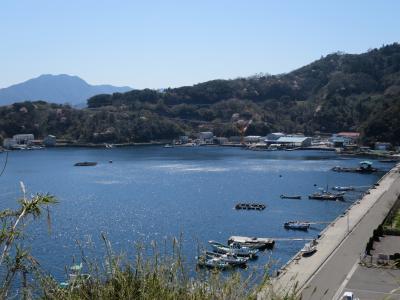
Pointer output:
x,y
23,139
274,136
9,143
206,137
294,141
251,139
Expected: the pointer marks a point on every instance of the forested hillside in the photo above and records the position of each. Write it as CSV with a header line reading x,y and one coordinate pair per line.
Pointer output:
x,y
335,93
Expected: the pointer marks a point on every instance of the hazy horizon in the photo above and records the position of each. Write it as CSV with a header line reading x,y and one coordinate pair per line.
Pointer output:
x,y
159,45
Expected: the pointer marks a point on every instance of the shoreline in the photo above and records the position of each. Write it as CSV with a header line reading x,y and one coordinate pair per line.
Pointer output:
x,y
308,274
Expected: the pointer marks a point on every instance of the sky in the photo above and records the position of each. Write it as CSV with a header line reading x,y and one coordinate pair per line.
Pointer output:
x,y
170,43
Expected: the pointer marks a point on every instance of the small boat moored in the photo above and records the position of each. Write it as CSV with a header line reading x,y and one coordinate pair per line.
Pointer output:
x,y
234,248
308,249
327,196
290,197
252,242
297,225
229,258
213,263
343,188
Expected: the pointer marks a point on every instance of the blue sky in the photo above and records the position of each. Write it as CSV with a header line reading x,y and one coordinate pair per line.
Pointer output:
x,y
158,44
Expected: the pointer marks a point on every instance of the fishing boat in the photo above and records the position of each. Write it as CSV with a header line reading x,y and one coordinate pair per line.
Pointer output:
x,y
343,188
290,197
234,248
324,195
214,263
308,249
75,277
297,225
85,164
252,242
229,258
364,168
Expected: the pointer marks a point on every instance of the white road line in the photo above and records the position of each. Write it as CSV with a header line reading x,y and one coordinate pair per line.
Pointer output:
x,y
345,281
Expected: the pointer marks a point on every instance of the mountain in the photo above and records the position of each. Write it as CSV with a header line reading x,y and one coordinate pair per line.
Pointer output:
x,y
57,89
339,92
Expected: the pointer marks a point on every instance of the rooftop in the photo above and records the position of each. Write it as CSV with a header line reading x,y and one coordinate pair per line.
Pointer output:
x,y
292,139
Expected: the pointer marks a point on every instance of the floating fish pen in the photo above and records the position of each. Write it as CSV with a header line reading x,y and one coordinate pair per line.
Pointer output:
x,y
250,206
85,164
355,170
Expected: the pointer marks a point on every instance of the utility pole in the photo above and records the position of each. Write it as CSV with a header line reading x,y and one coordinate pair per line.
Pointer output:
x,y
348,221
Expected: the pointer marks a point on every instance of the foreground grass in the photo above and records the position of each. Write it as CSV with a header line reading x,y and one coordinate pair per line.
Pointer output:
x,y
153,277
115,277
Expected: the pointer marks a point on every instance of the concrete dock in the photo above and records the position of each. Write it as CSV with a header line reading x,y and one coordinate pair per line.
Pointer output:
x,y
323,275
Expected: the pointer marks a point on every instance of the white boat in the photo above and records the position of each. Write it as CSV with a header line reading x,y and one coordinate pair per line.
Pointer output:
x,y
343,188
308,249
297,225
234,248
168,146
215,262
229,258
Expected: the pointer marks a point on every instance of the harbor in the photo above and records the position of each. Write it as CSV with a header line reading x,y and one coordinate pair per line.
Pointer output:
x,y
132,201
340,245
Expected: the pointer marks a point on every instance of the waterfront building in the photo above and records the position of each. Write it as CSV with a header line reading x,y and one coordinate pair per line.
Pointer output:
x,y
343,139
383,146
274,136
183,139
235,139
206,137
9,143
251,139
294,141
23,139
221,140
49,141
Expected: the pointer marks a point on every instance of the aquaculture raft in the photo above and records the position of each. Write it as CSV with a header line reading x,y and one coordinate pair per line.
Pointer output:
x,y
85,164
250,206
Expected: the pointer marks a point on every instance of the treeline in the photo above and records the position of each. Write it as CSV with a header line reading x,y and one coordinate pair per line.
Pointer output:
x,y
339,92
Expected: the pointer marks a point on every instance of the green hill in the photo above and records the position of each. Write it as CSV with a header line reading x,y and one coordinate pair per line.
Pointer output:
x,y
335,93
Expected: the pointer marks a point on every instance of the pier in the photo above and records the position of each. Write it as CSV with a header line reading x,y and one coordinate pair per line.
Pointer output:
x,y
339,247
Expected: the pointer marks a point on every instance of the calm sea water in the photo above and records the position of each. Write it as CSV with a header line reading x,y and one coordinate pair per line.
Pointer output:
x,y
152,194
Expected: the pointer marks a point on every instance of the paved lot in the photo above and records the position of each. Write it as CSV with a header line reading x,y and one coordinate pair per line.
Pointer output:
x,y
375,284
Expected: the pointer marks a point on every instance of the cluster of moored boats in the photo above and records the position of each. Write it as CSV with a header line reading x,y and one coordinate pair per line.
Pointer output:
x,y
236,253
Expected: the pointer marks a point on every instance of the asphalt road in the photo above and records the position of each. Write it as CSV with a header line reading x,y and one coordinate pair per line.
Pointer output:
x,y
328,279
